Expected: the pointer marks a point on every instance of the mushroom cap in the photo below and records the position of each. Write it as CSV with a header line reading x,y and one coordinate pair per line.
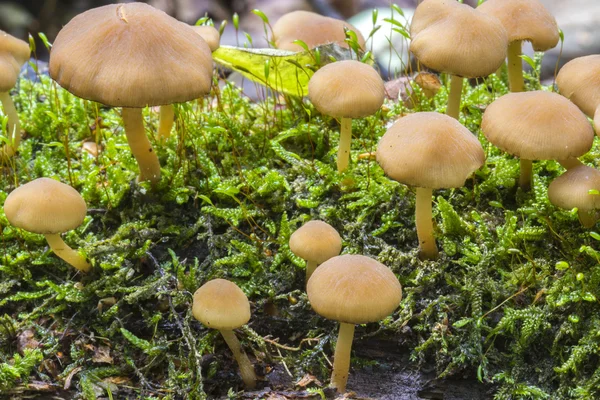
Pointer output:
x,y
316,241
210,35
221,304
579,81
353,289
346,89
9,72
537,126
571,189
13,54
18,48
451,37
525,20
313,29
45,206
131,55
429,150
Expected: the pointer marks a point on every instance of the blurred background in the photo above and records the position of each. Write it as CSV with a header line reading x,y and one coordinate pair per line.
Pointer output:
x,y
579,20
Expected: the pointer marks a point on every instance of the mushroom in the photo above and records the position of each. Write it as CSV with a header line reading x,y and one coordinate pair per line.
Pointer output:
x,y
572,190
346,89
13,54
430,151
132,56
210,35
48,207
537,126
524,20
454,38
352,289
579,81
313,29
220,304
315,242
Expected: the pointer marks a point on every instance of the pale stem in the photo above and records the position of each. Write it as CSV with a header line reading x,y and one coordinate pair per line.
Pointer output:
x,y
140,145
587,218
453,108
424,222
570,163
166,121
515,67
341,358
62,250
310,268
246,368
13,128
526,177
343,157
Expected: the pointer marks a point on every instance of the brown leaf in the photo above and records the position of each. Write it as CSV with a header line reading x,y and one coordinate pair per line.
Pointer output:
x,y
26,340
102,355
307,380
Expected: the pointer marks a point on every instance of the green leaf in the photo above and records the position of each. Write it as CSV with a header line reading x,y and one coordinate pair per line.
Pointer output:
x,y
528,60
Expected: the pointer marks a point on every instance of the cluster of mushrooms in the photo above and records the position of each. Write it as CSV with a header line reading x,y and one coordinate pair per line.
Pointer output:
x,y
133,56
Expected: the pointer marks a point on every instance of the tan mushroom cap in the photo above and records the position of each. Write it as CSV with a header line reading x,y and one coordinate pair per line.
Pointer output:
x,y
210,35
429,150
313,29
13,54
131,55
579,81
45,206
571,189
346,89
18,48
221,304
537,126
353,289
316,241
451,37
526,20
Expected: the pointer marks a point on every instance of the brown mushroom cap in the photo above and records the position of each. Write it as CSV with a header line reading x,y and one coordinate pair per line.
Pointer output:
x,y
526,20
13,54
579,81
316,241
451,37
346,89
353,289
45,206
429,150
210,35
131,55
571,189
313,29
18,48
537,126
221,304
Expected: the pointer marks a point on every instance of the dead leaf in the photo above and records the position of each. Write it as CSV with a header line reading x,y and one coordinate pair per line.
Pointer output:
x,y
26,340
102,355
307,380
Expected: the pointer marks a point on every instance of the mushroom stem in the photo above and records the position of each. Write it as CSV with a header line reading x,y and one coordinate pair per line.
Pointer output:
x,y
166,121
587,218
13,128
343,157
62,250
515,67
526,177
424,222
341,358
597,121
570,163
246,368
140,145
310,268
453,108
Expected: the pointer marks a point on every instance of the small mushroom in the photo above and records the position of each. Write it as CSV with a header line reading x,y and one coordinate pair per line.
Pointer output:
x,y
49,207
210,35
220,304
352,289
346,89
315,242
572,190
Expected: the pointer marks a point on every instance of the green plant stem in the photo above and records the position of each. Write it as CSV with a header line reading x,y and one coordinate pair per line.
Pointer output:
x,y
515,67
587,218
166,121
453,108
310,268
13,127
246,368
140,145
341,358
526,177
62,250
424,222
343,157
570,163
